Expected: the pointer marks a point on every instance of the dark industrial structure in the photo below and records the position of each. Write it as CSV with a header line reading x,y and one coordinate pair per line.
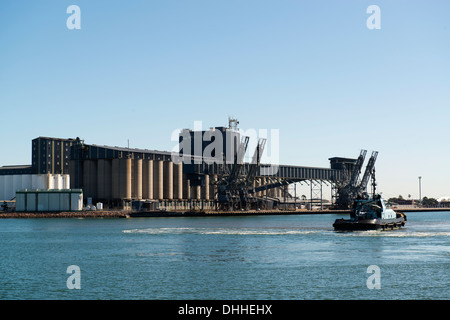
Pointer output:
x,y
213,178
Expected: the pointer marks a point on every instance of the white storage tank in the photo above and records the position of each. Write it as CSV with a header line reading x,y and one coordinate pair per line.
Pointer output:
x,y
49,182
59,181
66,181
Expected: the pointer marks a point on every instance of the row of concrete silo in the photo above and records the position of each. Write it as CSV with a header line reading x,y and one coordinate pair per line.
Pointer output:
x,y
144,179
126,179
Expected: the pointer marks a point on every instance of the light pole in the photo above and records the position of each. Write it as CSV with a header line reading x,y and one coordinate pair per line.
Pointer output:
x,y
420,190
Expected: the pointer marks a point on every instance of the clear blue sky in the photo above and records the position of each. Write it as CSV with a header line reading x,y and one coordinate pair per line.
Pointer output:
x,y
138,70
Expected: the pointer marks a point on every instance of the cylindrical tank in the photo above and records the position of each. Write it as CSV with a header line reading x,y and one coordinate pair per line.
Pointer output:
x,y
108,179
72,174
59,182
115,178
178,181
158,180
147,179
101,178
125,179
168,180
137,190
186,188
206,187
213,186
76,174
86,185
197,192
48,181
66,181
93,178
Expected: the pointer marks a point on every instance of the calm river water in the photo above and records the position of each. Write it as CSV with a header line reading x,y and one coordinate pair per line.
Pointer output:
x,y
286,257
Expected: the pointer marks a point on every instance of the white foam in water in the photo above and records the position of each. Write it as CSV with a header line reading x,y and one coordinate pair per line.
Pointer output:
x,y
285,231
394,234
220,231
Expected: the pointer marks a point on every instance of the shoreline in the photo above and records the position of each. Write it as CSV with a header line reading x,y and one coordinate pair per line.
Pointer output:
x,y
144,214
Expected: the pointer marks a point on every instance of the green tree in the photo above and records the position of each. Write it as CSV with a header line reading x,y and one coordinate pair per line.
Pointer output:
x,y
429,202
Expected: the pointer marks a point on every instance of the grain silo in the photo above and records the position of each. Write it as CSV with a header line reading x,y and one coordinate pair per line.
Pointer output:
x,y
137,185
115,179
186,187
93,178
101,178
197,193
147,179
206,187
108,179
158,180
168,180
178,181
86,176
89,179
125,178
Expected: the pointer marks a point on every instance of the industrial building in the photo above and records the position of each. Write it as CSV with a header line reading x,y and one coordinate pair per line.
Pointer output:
x,y
43,200
121,177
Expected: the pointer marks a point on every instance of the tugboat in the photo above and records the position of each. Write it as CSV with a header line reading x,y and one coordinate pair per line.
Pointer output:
x,y
371,213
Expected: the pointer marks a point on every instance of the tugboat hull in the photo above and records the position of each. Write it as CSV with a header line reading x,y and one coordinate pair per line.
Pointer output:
x,y
369,224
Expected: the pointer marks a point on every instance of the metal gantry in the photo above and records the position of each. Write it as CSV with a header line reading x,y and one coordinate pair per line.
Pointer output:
x,y
348,189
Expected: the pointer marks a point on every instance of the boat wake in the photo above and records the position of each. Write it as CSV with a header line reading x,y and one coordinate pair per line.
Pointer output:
x,y
286,231
393,234
220,231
